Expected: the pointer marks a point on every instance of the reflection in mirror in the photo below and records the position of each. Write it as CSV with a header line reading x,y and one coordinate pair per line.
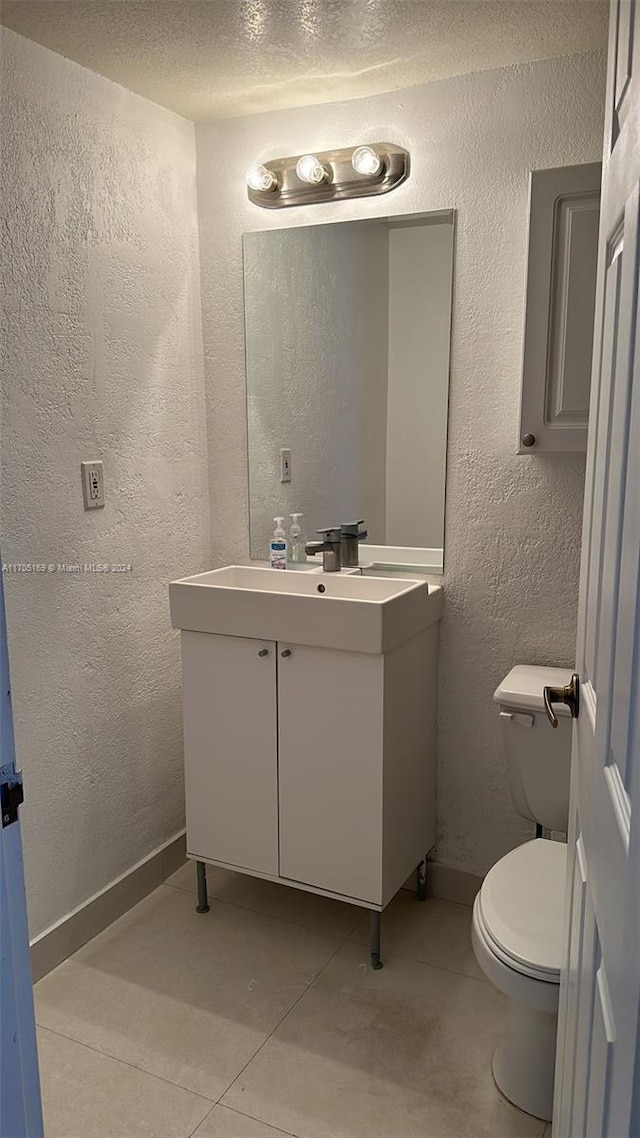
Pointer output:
x,y
347,354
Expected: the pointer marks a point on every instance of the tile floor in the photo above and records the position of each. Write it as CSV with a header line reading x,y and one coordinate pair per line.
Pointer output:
x,y
263,1018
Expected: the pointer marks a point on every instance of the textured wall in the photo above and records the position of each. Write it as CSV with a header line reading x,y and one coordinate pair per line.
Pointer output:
x,y
512,523
101,359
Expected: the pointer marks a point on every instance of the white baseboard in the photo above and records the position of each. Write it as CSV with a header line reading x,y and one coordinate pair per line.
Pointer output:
x,y
56,943
449,883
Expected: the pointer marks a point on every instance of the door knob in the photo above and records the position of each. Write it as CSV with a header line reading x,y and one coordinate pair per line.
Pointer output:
x,y
263,652
569,695
286,653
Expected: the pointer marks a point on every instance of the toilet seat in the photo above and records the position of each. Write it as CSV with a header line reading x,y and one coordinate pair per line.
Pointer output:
x,y
515,966
521,909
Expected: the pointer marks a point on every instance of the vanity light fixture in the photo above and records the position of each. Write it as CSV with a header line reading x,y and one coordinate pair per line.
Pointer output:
x,y
261,179
330,175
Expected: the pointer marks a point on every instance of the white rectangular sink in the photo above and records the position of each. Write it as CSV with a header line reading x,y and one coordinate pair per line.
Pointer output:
x,y
328,610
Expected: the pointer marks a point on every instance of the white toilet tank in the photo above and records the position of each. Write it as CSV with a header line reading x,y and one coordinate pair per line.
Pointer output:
x,y
538,757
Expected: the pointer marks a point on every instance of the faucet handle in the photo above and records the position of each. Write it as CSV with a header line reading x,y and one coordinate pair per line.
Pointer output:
x,y
352,529
331,534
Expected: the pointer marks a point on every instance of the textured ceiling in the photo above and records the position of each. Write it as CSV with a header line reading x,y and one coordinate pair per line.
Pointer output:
x,y
210,59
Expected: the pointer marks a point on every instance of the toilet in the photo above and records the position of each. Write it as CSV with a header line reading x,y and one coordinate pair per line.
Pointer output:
x,y
518,917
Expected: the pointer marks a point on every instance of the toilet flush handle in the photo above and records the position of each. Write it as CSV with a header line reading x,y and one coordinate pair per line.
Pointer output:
x,y
569,695
519,717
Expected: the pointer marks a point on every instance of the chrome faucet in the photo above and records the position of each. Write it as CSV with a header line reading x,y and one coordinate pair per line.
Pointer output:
x,y
330,549
351,534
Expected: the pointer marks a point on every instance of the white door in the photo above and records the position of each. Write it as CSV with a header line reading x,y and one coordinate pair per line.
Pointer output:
x,y
598,1062
20,1109
330,747
230,750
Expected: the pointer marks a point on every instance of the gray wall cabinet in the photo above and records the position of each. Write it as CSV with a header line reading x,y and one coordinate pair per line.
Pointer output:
x,y
564,210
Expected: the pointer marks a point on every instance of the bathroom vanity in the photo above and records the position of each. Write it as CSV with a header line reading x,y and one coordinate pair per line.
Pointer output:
x,y
310,697
309,706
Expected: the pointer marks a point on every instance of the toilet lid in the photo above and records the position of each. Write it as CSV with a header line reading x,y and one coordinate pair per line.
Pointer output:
x,y
522,688
523,904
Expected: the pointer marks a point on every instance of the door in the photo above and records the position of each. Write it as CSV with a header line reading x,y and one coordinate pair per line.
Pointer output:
x,y
330,726
230,750
598,1061
20,1110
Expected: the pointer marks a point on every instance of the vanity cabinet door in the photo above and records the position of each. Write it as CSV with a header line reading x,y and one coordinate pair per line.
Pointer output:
x,y
330,706
230,746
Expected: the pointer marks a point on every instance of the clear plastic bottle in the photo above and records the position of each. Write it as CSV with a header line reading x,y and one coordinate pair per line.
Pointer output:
x,y
297,554
278,546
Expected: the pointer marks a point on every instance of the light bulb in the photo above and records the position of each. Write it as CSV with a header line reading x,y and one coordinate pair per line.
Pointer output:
x,y
365,161
260,178
310,169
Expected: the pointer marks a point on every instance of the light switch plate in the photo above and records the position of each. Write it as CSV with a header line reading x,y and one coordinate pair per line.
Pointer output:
x,y
92,484
285,464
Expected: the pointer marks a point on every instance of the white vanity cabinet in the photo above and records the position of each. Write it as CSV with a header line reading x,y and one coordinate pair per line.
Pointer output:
x,y
313,766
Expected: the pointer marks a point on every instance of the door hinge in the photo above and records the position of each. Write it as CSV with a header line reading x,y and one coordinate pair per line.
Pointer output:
x,y
11,794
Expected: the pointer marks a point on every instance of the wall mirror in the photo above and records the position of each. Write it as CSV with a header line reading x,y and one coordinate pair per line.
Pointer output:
x,y
348,330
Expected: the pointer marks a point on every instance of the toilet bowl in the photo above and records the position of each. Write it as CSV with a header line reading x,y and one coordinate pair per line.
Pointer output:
x,y
519,914
517,934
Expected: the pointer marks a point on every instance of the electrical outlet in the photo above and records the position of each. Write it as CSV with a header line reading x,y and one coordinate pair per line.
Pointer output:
x,y
285,465
92,484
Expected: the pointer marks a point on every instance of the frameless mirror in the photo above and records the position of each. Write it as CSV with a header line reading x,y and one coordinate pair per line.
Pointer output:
x,y
348,330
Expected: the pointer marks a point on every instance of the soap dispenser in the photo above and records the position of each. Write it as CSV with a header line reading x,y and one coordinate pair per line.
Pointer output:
x,y
278,546
296,541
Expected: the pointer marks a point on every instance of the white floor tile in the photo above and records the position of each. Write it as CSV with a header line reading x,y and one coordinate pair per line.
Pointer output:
x,y
432,932
185,996
401,1053
225,1123
88,1095
184,878
189,999
337,918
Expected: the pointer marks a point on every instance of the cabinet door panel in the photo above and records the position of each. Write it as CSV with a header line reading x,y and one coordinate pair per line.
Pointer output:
x,y
330,763
561,284
230,744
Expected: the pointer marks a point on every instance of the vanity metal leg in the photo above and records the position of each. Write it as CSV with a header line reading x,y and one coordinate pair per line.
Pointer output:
x,y
421,880
374,939
203,900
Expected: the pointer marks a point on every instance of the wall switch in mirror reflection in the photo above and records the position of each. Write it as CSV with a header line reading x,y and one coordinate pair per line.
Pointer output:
x,y
285,464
